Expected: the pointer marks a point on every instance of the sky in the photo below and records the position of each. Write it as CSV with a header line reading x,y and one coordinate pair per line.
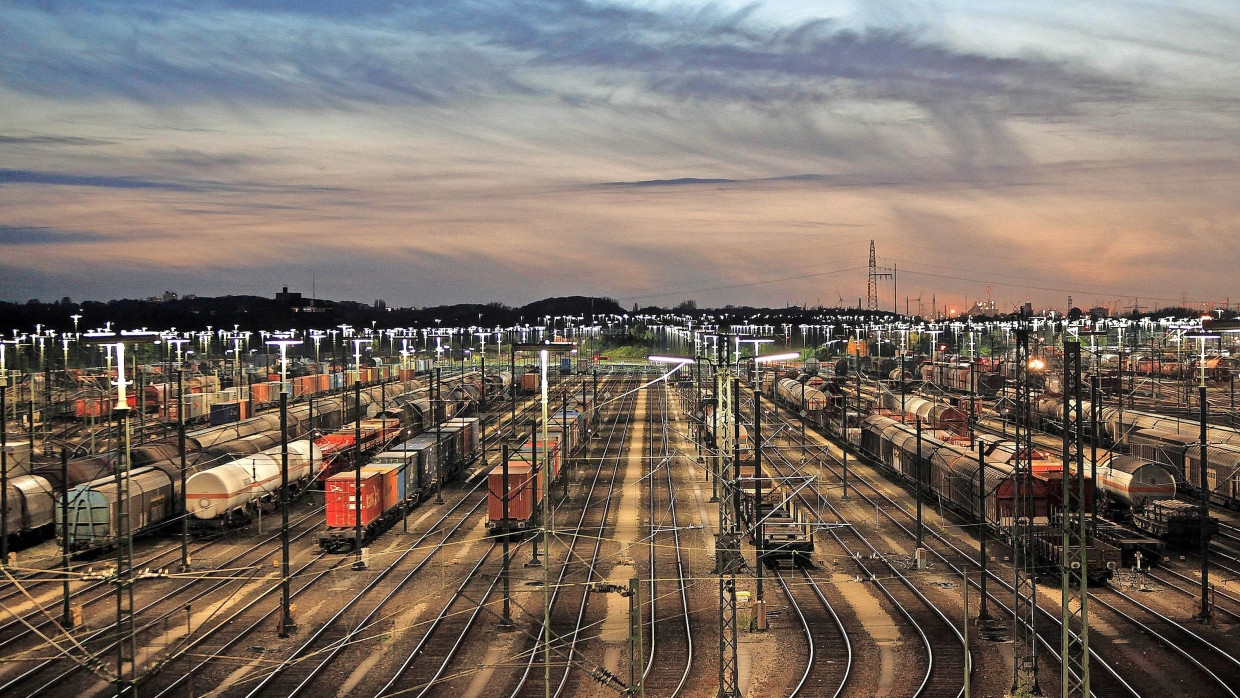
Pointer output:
x,y
451,151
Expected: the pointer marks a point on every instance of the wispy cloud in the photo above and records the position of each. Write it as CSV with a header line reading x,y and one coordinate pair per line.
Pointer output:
x,y
12,235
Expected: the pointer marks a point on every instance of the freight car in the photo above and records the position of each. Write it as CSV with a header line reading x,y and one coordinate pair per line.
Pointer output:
x,y
394,482
786,531
1175,443
961,378
528,465
1176,522
952,472
90,527
232,492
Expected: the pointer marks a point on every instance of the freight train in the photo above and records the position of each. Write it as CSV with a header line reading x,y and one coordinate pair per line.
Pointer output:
x,y
394,482
32,495
952,472
1172,441
528,467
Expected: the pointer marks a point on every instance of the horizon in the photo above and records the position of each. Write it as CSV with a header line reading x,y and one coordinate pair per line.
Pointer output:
x,y
738,153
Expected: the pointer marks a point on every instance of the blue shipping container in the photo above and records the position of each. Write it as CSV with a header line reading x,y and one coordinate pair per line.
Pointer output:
x,y
225,413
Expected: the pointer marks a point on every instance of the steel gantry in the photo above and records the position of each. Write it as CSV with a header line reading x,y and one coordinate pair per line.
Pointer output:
x,y
728,559
1025,586
1074,585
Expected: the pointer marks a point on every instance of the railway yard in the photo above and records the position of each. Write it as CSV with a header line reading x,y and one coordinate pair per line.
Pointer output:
x,y
655,528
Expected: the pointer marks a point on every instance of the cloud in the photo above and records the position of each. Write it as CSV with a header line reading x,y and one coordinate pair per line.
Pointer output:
x,y
51,140
12,235
84,180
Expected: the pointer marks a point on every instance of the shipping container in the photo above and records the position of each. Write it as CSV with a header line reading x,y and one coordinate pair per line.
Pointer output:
x,y
525,491
526,453
341,502
529,382
198,405
226,413
471,436
392,482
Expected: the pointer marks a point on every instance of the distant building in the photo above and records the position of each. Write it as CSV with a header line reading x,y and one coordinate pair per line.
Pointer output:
x,y
170,296
297,303
289,299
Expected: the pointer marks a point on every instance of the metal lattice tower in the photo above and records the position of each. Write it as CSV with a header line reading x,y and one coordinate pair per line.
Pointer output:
x,y
875,274
728,558
1024,629
1074,636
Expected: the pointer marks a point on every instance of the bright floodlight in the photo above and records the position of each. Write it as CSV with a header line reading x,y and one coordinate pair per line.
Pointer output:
x,y
669,359
777,357
284,344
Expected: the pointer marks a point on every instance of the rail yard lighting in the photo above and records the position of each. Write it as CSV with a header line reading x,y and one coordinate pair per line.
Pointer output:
x,y
124,535
4,455
772,358
681,360
286,620
757,346
357,354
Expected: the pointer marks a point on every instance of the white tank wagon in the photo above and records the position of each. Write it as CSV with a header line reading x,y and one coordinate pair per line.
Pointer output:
x,y
1134,481
238,488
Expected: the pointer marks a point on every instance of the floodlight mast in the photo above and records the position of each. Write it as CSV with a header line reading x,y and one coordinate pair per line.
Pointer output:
x,y
286,616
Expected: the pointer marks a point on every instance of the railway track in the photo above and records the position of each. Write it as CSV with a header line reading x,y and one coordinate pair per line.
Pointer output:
x,y
259,675
944,667
830,652
1104,684
1218,666
444,637
296,673
26,584
570,585
150,617
671,637
1189,586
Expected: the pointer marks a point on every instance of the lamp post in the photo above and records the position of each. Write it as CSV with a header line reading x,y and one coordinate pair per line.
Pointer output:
x,y
125,649
286,620
357,355
757,345
4,456
185,561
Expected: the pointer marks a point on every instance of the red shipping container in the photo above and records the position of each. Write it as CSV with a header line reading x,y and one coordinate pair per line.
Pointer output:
x,y
529,382
390,484
524,495
341,511
524,454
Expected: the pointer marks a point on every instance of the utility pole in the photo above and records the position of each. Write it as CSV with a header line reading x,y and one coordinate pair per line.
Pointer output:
x,y
760,609
1025,591
728,560
1074,582
181,450
66,615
